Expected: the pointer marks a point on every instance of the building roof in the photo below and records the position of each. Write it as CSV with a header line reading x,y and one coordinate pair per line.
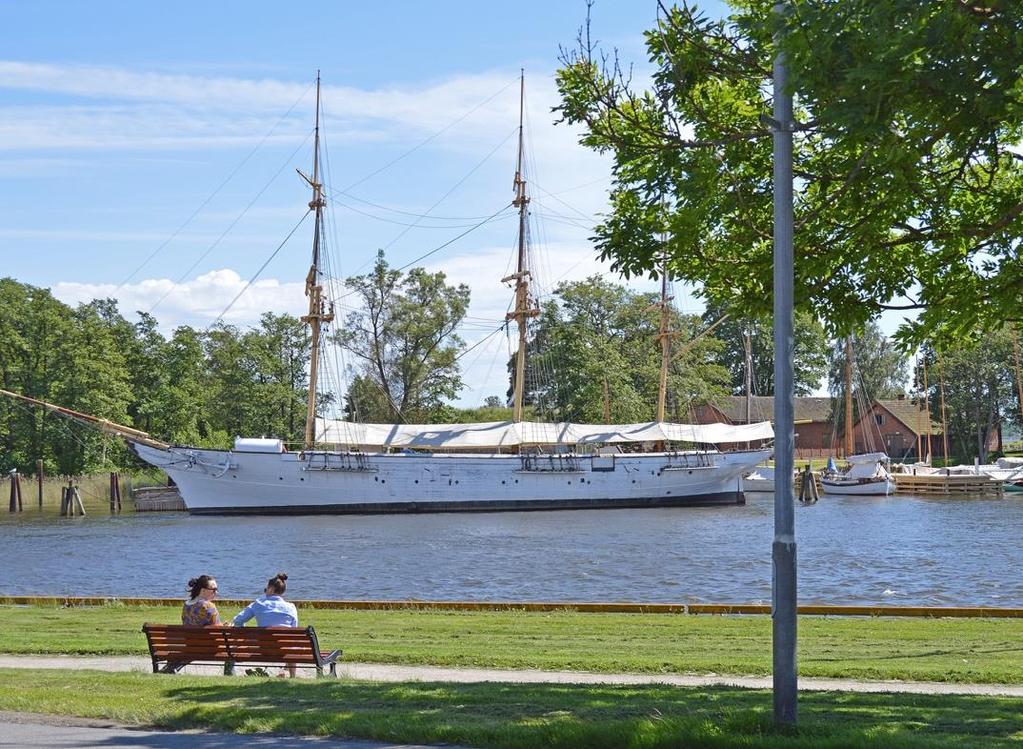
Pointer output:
x,y
910,412
733,408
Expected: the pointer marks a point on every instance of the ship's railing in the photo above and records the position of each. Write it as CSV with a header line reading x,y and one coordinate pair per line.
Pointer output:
x,y
682,461
340,461
549,463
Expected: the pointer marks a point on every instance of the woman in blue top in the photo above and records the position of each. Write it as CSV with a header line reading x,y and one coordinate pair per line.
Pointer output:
x,y
271,610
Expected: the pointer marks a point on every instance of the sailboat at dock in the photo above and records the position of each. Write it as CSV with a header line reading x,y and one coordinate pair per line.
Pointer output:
x,y
350,467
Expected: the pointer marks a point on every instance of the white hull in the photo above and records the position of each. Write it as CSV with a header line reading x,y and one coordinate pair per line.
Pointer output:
x,y
227,482
879,487
752,484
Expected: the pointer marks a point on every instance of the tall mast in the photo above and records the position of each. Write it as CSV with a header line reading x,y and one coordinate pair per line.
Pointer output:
x,y
664,335
317,314
523,310
748,346
1019,374
944,420
917,383
927,411
849,442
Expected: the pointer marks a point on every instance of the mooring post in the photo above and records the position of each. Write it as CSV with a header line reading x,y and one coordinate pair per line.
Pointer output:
x,y
17,485
14,490
117,488
113,493
39,481
78,503
63,501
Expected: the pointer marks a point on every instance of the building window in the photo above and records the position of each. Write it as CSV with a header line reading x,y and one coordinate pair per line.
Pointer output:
x,y
879,418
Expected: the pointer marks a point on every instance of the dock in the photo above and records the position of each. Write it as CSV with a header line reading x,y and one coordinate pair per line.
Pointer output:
x,y
158,499
948,485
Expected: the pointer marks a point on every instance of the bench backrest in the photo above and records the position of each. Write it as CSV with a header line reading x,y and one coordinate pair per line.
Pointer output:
x,y
240,644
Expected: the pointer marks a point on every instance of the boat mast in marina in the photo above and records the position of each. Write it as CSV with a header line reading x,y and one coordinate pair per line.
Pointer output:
x,y
318,313
664,335
849,442
523,306
1019,375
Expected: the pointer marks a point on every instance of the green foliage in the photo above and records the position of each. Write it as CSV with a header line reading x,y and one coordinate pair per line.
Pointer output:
x,y
596,335
810,351
908,177
403,337
980,392
197,388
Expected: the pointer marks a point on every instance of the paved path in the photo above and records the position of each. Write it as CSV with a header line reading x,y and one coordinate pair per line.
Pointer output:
x,y
29,731
378,672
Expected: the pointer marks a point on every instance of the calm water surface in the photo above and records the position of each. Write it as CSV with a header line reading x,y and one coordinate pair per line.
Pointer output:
x,y
894,550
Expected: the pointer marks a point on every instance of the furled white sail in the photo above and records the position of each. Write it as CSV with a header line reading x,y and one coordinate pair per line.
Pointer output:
x,y
502,434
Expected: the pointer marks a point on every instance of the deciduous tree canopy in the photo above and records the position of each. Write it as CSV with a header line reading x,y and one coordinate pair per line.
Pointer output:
x,y
909,176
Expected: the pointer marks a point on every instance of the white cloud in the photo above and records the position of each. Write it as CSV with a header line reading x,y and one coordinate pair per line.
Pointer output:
x,y
198,302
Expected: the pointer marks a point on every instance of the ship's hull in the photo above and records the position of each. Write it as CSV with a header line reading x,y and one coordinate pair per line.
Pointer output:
x,y
235,483
879,487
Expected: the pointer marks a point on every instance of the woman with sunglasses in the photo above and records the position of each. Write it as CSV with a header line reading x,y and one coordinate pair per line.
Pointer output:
x,y
199,610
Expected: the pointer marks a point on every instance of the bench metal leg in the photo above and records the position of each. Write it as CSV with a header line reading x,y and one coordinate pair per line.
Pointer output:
x,y
228,668
333,670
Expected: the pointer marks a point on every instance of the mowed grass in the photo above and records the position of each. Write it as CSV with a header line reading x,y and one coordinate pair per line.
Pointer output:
x,y
948,650
515,716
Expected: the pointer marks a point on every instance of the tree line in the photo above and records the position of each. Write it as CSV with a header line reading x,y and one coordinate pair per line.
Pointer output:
x,y
592,357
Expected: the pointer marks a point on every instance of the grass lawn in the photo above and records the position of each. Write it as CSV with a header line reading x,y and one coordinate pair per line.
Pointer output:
x,y
515,716
954,650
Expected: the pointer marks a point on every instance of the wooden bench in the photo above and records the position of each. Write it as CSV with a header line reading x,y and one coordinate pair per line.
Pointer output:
x,y
174,646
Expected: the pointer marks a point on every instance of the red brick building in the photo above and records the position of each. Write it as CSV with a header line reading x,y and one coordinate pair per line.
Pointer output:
x,y
814,430
901,428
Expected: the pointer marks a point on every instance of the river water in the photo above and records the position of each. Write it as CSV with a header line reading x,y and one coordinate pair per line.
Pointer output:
x,y
852,550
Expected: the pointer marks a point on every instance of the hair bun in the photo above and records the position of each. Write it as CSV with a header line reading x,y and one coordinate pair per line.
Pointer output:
x,y
193,582
282,576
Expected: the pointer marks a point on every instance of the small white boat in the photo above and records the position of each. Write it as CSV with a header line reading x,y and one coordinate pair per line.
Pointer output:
x,y
761,479
866,475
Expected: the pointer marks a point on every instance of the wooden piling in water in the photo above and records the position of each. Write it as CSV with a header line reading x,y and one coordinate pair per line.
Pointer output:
x,y
39,481
808,492
78,503
16,504
115,492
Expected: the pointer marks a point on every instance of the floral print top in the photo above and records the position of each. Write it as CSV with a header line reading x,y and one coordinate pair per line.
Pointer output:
x,y
198,612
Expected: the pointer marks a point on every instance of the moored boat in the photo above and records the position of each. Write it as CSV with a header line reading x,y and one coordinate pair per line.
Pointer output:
x,y
866,475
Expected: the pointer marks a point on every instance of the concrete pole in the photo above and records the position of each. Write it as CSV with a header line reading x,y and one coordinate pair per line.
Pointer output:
x,y
783,551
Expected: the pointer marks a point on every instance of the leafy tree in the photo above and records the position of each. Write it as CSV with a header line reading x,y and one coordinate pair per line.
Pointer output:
x,y
878,371
280,351
980,391
91,378
493,401
810,360
404,338
596,337
908,176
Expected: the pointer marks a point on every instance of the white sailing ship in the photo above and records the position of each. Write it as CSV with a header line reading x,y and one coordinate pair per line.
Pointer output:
x,y
347,467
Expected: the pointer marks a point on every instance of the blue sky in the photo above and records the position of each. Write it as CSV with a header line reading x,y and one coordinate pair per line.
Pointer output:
x,y
148,151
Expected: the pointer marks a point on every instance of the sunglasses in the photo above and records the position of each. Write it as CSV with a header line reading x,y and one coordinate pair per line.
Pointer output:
x,y
214,588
